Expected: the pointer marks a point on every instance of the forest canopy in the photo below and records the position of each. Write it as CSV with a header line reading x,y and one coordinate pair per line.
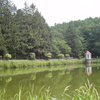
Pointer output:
x,y
24,31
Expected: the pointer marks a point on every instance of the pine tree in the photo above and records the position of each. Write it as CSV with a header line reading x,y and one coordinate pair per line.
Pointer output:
x,y
74,41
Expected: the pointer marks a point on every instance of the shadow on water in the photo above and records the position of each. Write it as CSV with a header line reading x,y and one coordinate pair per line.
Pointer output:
x,y
56,80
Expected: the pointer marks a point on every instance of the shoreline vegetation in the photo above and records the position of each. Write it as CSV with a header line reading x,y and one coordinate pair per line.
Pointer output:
x,y
85,92
5,64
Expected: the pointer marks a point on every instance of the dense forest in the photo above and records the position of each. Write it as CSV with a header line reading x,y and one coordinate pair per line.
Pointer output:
x,y
23,31
80,36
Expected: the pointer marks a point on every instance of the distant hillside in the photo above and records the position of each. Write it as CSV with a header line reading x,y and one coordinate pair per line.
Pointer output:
x,y
88,31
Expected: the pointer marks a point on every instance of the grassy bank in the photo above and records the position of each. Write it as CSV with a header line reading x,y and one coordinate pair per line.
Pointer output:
x,y
42,63
85,92
95,60
38,63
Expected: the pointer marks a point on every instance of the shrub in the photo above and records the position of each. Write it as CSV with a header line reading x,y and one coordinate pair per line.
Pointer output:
x,y
67,55
48,55
32,56
79,56
86,92
61,55
8,56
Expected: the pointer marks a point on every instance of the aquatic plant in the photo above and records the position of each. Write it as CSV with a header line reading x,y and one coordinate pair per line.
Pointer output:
x,y
2,94
85,92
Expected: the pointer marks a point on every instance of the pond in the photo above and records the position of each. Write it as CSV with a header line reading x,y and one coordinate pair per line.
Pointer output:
x,y
17,82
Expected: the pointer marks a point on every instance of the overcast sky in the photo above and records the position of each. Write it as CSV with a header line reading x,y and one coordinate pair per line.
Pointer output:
x,y
59,11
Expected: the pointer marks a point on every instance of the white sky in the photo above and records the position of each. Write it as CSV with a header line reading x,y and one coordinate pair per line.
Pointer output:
x,y
59,11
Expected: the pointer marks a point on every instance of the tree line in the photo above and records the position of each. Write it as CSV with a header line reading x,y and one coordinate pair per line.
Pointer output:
x,y
80,36
24,31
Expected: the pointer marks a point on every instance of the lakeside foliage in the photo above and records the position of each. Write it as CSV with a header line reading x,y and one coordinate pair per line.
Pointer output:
x,y
80,36
42,63
84,92
38,63
25,30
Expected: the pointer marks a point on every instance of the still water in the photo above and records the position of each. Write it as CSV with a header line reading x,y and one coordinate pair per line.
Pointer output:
x,y
12,80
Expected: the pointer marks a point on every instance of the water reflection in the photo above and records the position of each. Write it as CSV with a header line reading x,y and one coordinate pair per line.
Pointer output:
x,y
57,80
88,69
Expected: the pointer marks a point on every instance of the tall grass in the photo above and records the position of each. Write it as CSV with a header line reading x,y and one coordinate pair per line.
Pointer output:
x,y
2,94
85,92
95,60
42,63
37,63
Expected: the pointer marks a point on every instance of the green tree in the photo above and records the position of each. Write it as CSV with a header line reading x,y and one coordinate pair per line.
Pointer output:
x,y
74,40
60,44
2,45
7,9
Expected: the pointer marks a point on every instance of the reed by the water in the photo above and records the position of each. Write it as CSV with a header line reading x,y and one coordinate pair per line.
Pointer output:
x,y
38,63
42,63
85,92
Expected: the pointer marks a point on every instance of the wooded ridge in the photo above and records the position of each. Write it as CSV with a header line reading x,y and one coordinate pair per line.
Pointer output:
x,y
23,31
